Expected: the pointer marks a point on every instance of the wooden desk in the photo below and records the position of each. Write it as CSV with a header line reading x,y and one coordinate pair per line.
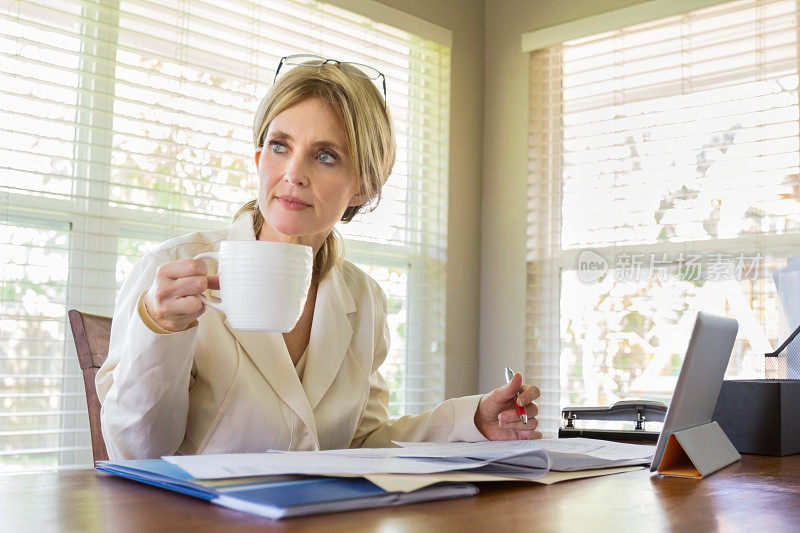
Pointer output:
x,y
756,494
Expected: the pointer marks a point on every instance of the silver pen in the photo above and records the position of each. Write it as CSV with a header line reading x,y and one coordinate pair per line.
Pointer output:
x,y
523,415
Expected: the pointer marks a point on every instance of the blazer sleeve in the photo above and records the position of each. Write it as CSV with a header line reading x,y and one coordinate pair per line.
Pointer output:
x,y
451,421
143,385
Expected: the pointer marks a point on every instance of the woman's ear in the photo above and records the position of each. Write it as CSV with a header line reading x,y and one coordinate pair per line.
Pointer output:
x,y
258,155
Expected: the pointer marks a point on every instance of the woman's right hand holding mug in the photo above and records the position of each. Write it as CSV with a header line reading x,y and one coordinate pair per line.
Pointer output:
x,y
173,300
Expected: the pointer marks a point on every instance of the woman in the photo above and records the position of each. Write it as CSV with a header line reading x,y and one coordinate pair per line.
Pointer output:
x,y
178,379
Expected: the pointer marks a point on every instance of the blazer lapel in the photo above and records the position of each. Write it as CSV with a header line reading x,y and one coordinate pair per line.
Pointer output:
x,y
268,352
330,336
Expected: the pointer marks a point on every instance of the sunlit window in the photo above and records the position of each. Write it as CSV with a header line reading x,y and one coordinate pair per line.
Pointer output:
x,y
668,154
125,124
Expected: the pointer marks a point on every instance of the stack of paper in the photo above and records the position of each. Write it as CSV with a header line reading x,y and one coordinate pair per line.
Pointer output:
x,y
275,484
524,459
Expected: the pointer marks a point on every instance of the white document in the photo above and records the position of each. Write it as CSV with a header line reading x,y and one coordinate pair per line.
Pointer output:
x,y
523,458
310,463
481,451
564,454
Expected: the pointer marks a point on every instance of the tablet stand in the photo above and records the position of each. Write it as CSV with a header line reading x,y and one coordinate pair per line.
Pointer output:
x,y
697,452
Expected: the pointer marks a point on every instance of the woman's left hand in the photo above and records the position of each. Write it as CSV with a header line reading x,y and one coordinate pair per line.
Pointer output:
x,y
496,417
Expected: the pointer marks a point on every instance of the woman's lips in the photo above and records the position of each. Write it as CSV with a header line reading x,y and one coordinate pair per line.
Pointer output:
x,y
292,203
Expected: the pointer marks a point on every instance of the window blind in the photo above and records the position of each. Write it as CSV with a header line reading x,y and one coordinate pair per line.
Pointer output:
x,y
663,180
125,123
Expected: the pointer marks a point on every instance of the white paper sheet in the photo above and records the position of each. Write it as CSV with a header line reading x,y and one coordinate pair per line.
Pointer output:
x,y
483,451
409,482
525,458
309,463
564,454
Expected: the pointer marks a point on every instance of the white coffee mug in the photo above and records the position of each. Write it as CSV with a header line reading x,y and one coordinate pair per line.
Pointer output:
x,y
263,284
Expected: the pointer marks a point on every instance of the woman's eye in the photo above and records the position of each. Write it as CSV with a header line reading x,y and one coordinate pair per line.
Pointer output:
x,y
327,158
276,147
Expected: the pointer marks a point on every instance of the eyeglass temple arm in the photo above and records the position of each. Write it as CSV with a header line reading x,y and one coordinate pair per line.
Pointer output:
x,y
785,344
277,70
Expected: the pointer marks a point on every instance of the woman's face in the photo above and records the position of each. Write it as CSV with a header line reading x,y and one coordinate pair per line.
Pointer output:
x,y
305,175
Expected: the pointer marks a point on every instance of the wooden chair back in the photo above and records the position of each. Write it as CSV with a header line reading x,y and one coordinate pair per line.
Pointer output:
x,y
91,334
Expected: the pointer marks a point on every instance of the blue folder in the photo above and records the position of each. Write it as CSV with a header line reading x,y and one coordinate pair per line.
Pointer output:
x,y
280,496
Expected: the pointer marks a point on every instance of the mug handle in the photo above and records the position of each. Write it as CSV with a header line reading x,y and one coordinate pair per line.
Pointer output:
x,y
216,304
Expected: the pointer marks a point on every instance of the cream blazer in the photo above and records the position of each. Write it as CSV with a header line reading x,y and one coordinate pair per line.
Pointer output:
x,y
214,389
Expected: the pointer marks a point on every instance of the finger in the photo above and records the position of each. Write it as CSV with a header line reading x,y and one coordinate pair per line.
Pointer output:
x,y
507,392
531,408
183,268
528,394
528,435
510,415
516,423
183,307
213,283
190,286
507,417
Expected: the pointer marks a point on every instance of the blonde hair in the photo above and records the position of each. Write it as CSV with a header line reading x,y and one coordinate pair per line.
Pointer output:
x,y
362,114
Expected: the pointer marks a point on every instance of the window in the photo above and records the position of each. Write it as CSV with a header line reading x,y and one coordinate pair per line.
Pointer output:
x,y
664,180
125,123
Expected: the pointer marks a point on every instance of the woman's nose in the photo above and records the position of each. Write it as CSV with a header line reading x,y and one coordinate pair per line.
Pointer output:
x,y
296,172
